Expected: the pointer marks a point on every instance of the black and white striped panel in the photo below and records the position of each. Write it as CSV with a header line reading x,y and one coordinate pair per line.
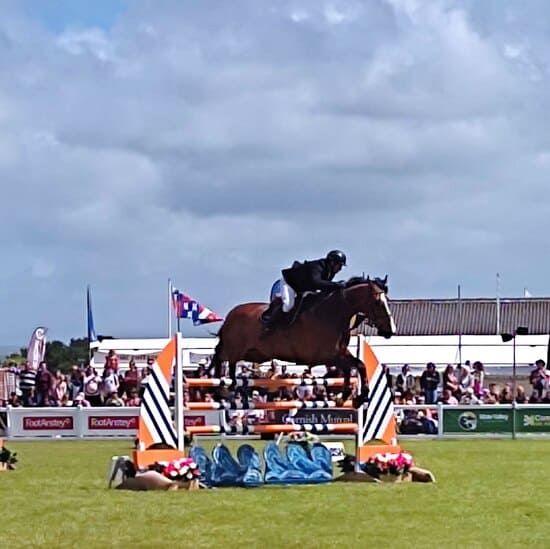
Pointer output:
x,y
156,410
379,410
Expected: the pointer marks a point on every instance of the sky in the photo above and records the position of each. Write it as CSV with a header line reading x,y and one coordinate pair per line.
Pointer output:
x,y
215,142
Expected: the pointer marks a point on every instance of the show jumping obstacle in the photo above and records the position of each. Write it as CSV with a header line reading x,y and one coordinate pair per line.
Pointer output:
x,y
270,383
277,405
375,419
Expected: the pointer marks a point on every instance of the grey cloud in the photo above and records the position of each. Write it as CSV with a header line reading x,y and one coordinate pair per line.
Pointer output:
x,y
215,145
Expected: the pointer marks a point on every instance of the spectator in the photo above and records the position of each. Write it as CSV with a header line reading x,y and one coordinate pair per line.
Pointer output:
x,y
405,381
521,397
450,381
429,382
114,400
494,392
92,387
110,383
111,361
60,387
80,400
144,381
131,378
65,400
506,395
134,400
45,384
76,382
14,401
27,383
389,377
466,380
538,378
479,378
448,398
469,397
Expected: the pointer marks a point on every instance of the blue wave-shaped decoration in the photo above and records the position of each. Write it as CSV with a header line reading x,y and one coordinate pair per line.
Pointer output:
x,y
250,461
200,457
299,459
226,471
321,455
278,469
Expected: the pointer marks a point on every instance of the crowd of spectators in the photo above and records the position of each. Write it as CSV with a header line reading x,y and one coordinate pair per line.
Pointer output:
x,y
84,386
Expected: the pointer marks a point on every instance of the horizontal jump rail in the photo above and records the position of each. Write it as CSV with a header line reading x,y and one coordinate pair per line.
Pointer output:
x,y
278,405
268,383
275,428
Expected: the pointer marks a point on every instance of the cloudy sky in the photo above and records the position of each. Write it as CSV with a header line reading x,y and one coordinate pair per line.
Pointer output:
x,y
215,142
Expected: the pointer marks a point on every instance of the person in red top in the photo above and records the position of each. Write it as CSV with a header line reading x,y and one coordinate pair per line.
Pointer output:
x,y
131,378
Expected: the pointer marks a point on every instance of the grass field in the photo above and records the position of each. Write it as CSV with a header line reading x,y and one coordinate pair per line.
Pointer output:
x,y
490,493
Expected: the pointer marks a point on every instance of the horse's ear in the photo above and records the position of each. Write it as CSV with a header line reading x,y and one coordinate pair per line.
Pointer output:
x,y
385,279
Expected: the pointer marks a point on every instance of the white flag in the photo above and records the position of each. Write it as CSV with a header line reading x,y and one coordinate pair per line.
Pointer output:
x,y
526,293
37,347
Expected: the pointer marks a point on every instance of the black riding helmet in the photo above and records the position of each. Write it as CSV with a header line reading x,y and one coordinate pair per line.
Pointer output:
x,y
336,256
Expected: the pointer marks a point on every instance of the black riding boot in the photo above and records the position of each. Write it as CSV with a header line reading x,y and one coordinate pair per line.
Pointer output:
x,y
270,315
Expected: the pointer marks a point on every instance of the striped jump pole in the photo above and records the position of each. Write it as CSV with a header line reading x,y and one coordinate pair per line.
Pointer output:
x,y
269,383
275,428
278,405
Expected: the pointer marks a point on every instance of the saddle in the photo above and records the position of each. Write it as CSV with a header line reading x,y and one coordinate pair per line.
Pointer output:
x,y
304,302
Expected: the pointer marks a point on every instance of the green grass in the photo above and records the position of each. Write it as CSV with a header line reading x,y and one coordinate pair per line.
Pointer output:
x,y
490,493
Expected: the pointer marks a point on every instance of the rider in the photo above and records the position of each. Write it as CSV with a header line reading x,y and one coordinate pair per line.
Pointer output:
x,y
308,276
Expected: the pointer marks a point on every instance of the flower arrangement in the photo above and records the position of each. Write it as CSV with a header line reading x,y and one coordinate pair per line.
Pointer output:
x,y
7,457
387,463
179,469
302,437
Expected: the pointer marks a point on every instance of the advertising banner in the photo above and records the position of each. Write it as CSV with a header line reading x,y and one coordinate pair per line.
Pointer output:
x,y
108,422
199,419
42,422
533,420
315,415
482,419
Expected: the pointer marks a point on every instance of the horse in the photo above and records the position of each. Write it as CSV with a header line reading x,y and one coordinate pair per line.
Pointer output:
x,y
319,335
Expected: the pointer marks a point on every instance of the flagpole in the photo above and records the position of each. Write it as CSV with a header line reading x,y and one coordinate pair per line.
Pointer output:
x,y
169,307
498,304
178,390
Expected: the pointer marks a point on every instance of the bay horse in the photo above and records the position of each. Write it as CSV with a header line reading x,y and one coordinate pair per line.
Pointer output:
x,y
320,335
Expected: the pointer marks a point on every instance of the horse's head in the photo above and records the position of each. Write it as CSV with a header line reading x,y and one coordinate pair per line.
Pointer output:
x,y
369,297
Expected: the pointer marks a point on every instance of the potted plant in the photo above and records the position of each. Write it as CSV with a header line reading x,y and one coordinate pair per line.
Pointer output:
x,y
8,459
183,471
389,467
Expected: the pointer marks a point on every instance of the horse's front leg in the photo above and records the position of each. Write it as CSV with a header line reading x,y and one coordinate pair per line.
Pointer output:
x,y
347,362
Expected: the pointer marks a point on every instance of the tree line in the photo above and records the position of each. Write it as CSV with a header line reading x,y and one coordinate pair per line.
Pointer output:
x,y
59,355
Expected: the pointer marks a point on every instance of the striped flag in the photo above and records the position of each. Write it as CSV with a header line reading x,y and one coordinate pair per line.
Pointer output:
x,y
187,307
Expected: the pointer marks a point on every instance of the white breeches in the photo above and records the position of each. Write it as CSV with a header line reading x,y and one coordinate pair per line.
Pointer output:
x,y
288,296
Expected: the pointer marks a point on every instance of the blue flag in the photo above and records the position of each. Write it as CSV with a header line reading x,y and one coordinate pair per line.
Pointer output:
x,y
91,330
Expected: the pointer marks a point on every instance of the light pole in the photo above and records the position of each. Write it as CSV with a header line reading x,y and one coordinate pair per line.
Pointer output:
x,y
520,330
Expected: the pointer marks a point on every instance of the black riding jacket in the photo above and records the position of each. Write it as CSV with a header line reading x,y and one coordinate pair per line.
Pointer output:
x,y
310,276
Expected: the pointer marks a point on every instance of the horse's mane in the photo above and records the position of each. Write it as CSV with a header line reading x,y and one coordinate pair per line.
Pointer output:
x,y
355,280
